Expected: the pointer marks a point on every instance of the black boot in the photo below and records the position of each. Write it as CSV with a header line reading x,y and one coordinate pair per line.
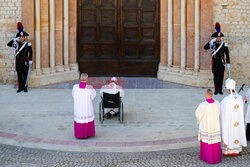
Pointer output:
x,y
248,132
220,92
25,90
108,115
19,90
216,92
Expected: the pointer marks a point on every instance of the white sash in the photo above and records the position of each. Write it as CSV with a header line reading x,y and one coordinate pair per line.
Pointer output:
x,y
218,49
21,48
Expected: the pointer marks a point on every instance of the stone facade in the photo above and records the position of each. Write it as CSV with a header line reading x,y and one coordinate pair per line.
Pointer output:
x,y
183,59
53,29
10,14
53,38
234,16
184,31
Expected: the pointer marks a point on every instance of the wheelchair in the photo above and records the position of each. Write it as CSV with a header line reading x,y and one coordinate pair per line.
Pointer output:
x,y
111,101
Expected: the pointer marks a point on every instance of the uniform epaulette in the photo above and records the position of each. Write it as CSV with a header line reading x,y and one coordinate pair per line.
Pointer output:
x,y
226,44
29,44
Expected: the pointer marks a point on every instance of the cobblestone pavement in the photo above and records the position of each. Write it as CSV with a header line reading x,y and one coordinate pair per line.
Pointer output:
x,y
13,156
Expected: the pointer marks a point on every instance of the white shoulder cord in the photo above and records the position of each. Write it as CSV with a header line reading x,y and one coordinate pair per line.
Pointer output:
x,y
21,48
218,49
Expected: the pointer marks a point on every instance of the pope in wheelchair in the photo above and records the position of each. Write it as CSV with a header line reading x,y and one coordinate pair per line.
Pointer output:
x,y
111,103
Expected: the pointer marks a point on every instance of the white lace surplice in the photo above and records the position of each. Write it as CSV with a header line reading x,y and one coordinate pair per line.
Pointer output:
x,y
83,106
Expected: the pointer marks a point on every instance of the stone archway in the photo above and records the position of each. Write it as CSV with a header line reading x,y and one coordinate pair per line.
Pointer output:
x,y
53,33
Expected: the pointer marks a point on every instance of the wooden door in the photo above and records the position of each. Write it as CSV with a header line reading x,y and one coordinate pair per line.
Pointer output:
x,y
118,37
139,47
97,37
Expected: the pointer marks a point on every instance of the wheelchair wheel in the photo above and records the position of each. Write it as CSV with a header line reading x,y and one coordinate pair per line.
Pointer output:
x,y
121,113
100,113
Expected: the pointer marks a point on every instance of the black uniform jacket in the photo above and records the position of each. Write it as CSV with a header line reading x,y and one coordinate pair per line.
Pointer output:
x,y
220,54
23,56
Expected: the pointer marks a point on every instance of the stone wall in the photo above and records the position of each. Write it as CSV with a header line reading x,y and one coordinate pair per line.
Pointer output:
x,y
10,14
42,19
234,16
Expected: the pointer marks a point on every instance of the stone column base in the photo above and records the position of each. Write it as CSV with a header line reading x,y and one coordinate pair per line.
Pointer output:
x,y
52,78
200,79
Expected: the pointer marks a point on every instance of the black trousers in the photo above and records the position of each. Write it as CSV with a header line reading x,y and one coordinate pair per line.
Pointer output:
x,y
248,131
218,70
22,74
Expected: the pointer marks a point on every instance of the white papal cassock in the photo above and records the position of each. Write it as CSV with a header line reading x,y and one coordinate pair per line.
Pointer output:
x,y
112,88
232,122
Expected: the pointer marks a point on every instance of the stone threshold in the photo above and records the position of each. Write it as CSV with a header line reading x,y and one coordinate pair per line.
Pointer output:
x,y
198,79
52,78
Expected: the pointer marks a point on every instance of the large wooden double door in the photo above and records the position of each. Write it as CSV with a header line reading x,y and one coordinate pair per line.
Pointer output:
x,y
118,37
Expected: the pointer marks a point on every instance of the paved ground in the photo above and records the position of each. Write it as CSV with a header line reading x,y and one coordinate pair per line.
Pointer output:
x,y
158,116
12,156
36,128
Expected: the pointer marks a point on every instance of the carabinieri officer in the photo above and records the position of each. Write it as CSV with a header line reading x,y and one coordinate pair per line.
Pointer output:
x,y
23,57
219,49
